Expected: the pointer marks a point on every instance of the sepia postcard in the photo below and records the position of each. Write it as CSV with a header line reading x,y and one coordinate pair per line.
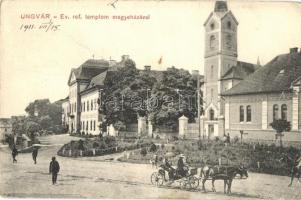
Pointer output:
x,y
154,99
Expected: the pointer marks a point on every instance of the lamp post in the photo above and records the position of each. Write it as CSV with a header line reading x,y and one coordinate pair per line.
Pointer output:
x,y
147,111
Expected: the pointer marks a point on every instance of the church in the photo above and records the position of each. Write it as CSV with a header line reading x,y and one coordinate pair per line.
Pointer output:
x,y
244,98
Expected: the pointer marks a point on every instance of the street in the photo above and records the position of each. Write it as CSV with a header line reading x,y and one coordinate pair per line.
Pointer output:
x,y
104,177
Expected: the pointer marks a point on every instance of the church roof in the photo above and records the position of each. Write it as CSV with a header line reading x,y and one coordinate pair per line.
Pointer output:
x,y
276,76
221,11
220,6
240,71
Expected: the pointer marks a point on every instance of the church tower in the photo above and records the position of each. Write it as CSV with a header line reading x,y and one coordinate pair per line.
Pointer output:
x,y
220,56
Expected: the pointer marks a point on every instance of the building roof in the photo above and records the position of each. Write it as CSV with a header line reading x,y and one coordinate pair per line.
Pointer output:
x,y
220,6
240,71
221,11
90,68
98,80
276,76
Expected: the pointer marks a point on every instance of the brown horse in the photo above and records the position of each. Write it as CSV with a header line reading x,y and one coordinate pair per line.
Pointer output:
x,y
293,164
222,173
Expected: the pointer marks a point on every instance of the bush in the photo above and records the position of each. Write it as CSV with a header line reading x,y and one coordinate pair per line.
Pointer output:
x,y
153,147
95,145
235,140
143,152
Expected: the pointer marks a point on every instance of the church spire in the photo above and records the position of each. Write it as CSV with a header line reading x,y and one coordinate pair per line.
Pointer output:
x,y
220,6
258,62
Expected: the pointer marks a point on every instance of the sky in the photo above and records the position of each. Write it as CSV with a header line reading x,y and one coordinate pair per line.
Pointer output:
x,y
35,63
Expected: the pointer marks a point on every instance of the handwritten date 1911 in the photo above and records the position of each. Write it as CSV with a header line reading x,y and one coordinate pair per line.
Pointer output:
x,y
47,26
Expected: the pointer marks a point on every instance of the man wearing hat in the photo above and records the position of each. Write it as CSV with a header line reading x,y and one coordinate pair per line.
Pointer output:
x,y
181,165
54,169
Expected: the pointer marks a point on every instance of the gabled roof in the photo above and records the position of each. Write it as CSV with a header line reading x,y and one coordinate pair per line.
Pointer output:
x,y
240,71
89,69
276,76
98,80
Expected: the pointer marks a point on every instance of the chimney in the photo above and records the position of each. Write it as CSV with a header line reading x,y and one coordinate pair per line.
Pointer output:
x,y
294,50
147,67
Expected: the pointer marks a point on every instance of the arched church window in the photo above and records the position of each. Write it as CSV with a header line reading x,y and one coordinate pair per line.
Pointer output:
x,y
211,114
229,25
241,114
275,112
249,113
212,41
284,112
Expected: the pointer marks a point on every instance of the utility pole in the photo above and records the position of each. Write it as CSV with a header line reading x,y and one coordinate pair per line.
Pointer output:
x,y
196,73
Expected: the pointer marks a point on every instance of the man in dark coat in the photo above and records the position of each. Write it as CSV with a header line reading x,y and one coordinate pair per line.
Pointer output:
x,y
181,165
54,169
35,154
14,153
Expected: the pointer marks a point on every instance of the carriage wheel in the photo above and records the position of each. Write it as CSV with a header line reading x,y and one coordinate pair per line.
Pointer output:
x,y
157,179
153,177
193,182
183,184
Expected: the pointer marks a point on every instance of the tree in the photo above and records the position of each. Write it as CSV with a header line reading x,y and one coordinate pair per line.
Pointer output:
x,y
31,128
18,125
280,126
47,115
161,96
45,122
38,108
120,126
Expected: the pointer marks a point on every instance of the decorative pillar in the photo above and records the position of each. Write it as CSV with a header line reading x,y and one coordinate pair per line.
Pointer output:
x,y
141,126
150,128
221,126
295,109
264,114
183,125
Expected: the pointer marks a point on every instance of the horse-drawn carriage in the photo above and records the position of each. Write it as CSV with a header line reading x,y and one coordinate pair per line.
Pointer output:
x,y
169,175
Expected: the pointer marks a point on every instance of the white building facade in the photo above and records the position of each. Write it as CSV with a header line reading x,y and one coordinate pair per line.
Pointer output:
x,y
81,110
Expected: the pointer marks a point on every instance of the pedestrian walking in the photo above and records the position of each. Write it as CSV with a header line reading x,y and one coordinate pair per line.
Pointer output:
x,y
54,169
14,153
228,138
35,154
